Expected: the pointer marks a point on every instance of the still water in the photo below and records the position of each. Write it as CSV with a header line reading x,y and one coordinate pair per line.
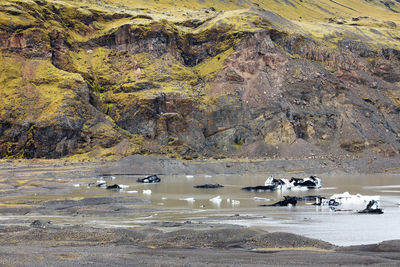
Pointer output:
x,y
175,200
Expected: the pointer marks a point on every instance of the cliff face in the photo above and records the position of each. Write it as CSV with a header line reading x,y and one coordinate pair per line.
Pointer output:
x,y
208,79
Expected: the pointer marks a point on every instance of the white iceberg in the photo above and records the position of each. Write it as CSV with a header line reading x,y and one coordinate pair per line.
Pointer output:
x,y
146,192
188,199
311,182
235,202
216,200
348,202
131,192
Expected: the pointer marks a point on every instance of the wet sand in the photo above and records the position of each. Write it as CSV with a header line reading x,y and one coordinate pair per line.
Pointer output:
x,y
27,238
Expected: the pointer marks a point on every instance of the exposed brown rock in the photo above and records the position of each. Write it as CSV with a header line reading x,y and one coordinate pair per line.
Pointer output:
x,y
215,91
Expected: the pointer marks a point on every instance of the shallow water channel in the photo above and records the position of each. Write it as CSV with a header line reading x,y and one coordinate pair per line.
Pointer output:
x,y
175,199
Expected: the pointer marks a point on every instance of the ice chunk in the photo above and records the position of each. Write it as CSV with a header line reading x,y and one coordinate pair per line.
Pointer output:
x,y
235,202
346,201
261,199
216,200
188,199
146,192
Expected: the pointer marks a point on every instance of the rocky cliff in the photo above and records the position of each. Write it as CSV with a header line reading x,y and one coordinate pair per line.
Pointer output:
x,y
190,79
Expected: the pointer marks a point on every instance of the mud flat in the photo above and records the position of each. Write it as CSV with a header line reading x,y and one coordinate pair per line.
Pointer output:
x,y
36,195
228,246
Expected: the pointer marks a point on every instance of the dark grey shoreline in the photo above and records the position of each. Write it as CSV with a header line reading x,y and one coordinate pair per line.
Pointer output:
x,y
225,246
137,164
141,165
174,244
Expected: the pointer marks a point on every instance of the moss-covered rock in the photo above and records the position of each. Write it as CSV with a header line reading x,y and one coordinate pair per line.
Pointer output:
x,y
211,78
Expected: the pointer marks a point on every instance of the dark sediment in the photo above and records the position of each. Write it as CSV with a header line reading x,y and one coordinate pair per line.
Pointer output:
x,y
260,188
149,179
283,203
207,186
214,247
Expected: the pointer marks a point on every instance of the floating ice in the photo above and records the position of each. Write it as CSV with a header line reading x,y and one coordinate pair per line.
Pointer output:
x,y
279,184
76,185
272,184
149,179
288,201
189,176
163,198
235,202
216,200
261,199
107,177
350,202
208,176
188,199
123,186
113,187
146,192
311,182
299,188
131,192
102,185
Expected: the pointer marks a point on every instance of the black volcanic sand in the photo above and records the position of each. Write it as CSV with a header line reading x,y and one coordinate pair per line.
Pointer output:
x,y
28,242
71,246
41,245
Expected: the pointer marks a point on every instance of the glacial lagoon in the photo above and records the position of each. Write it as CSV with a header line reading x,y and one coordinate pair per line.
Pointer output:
x,y
175,200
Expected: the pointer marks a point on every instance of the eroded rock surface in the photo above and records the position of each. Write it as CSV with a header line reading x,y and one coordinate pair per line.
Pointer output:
x,y
249,82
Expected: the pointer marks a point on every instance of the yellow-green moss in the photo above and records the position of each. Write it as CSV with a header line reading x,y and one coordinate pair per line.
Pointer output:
x,y
311,17
210,67
34,90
